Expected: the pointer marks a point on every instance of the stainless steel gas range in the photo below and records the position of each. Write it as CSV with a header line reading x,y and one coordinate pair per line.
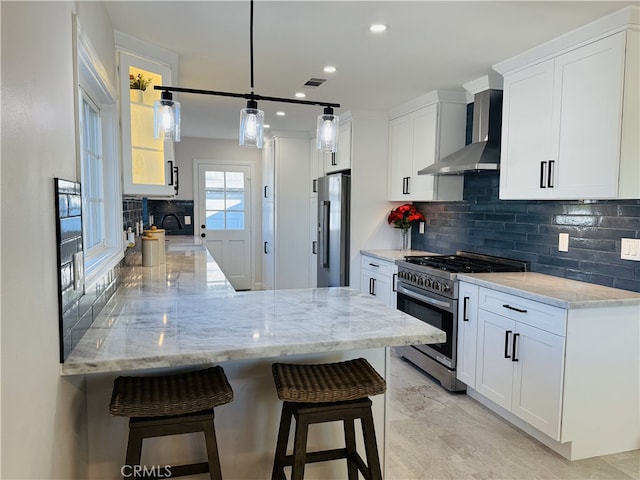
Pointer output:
x,y
428,290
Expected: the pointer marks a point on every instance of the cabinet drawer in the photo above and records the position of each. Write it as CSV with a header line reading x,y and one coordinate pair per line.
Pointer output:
x,y
375,265
538,315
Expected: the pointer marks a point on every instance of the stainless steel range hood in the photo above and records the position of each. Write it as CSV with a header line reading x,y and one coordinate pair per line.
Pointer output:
x,y
484,151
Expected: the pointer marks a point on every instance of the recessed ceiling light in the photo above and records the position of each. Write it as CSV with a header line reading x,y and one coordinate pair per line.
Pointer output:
x,y
266,125
300,94
280,114
378,27
329,69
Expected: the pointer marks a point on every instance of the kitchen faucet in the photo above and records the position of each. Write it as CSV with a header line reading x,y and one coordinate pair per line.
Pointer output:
x,y
174,216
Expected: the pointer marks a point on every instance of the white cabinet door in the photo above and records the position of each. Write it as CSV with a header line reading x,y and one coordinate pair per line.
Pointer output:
x,y
562,123
341,160
526,132
400,158
376,285
494,370
537,378
268,216
467,333
588,116
414,143
147,164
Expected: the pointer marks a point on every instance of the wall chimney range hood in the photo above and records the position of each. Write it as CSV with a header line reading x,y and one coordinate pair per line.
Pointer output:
x,y
483,153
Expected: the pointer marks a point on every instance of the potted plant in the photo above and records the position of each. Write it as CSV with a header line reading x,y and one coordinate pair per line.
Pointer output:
x,y
137,85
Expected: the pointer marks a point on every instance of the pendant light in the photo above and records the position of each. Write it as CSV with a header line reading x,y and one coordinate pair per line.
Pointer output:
x,y
327,131
167,113
166,118
251,126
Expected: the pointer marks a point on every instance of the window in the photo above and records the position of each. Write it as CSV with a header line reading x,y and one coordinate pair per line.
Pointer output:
x,y
92,174
225,200
98,162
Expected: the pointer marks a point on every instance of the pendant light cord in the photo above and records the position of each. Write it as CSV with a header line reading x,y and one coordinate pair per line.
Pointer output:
x,y
251,42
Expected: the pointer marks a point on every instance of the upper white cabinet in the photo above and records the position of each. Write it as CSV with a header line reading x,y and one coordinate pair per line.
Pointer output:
x,y
421,132
341,160
570,120
148,164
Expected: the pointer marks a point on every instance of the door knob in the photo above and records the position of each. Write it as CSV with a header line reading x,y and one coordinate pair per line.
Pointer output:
x,y
203,235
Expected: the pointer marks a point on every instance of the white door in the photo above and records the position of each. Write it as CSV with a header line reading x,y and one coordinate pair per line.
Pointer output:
x,y
224,196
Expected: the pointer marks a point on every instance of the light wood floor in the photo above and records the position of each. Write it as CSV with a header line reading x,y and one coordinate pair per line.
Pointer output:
x,y
435,434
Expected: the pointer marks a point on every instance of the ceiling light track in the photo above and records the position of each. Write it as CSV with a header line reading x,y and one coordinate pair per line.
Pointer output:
x,y
167,112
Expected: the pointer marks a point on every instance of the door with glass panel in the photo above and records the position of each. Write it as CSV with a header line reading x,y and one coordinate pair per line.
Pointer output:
x,y
225,219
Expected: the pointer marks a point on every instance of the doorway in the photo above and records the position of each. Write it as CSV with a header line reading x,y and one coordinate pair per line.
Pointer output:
x,y
224,217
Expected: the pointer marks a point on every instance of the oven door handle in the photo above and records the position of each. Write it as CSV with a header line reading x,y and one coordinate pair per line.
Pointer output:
x,y
422,298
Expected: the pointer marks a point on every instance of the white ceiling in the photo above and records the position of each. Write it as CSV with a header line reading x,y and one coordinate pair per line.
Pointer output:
x,y
429,45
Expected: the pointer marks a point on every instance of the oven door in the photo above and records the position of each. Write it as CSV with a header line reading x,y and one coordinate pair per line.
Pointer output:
x,y
438,311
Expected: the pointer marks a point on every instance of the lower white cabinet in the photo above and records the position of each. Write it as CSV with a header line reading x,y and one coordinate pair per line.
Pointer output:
x,y
570,377
378,279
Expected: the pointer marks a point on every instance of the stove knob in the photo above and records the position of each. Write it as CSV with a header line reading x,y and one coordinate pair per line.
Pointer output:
x,y
414,278
446,287
420,281
436,285
429,282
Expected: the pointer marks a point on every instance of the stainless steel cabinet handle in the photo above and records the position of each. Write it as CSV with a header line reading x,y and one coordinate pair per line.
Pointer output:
x,y
506,343
514,308
326,206
513,350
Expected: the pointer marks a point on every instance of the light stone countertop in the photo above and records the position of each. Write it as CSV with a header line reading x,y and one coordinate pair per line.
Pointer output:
x,y
556,291
185,313
393,255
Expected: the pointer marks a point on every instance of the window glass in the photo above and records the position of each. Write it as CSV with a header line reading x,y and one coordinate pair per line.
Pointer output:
x,y
225,200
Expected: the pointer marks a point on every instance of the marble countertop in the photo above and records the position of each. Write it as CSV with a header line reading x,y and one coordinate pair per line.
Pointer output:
x,y
185,313
393,255
556,291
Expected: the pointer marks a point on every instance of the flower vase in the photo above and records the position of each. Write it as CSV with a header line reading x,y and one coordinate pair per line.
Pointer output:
x,y
405,240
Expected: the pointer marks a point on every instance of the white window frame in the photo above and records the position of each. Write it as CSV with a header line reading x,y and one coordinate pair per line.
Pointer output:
x,y
92,80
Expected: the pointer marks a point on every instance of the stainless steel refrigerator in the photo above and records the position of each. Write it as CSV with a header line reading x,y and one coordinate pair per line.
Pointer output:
x,y
333,230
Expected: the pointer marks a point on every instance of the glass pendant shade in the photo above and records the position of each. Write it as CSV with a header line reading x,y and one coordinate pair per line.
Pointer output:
x,y
166,118
327,131
251,126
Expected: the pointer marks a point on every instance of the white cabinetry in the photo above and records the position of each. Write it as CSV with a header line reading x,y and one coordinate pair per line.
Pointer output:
x,y
379,279
148,164
567,123
286,242
520,366
554,372
420,133
340,160
467,333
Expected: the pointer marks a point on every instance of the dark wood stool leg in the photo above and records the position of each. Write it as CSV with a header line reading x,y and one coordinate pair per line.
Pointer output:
x,y
212,450
350,443
300,447
134,449
281,445
370,445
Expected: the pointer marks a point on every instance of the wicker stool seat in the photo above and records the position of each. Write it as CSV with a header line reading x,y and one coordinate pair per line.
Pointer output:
x,y
171,405
327,393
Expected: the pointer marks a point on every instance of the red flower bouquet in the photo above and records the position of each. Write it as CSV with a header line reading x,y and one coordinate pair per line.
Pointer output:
x,y
404,215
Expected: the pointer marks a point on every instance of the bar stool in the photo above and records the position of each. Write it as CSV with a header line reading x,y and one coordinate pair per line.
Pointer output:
x,y
321,393
172,405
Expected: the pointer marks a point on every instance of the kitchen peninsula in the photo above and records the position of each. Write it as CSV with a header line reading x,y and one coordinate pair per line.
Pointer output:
x,y
185,315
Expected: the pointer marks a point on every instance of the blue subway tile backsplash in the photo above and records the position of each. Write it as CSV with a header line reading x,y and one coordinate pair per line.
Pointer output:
x,y
528,230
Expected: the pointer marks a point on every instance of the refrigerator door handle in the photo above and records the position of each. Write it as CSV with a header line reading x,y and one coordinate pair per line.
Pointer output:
x,y
326,207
